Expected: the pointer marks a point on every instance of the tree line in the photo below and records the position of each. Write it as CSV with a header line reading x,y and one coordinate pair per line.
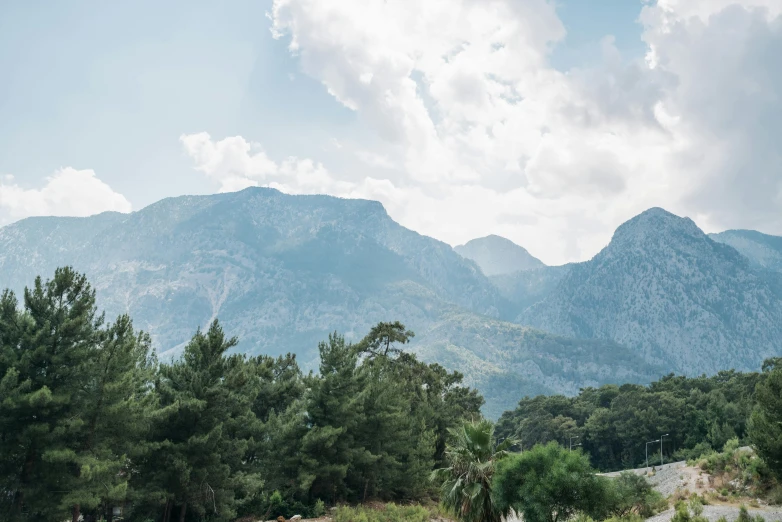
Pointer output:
x,y
613,424
92,424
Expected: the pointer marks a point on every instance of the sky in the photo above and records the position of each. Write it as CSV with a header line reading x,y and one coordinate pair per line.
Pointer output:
x,y
549,123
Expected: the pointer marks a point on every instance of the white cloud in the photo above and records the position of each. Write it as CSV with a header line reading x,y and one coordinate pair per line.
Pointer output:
x,y
236,164
68,192
490,138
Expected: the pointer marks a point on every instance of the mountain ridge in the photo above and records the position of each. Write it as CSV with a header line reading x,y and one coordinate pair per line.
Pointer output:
x,y
496,255
665,289
282,272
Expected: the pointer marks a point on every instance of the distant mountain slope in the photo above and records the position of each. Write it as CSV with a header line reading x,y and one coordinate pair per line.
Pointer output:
x,y
282,272
507,361
762,250
666,290
496,255
274,267
524,288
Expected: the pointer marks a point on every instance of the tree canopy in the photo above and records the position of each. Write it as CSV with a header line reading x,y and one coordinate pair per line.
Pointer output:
x,y
91,421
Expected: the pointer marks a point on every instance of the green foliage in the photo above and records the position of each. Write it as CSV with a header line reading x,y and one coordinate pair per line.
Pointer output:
x,y
744,470
466,484
550,484
387,513
614,422
74,394
319,509
90,421
765,429
633,495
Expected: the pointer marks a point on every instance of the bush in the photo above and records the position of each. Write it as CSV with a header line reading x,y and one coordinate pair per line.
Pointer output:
x,y
632,494
319,509
550,479
388,513
744,515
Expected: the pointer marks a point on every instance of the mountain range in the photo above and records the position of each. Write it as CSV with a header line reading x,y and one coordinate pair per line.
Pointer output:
x,y
282,272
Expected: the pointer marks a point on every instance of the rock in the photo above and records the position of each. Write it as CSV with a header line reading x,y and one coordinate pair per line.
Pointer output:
x,y
295,518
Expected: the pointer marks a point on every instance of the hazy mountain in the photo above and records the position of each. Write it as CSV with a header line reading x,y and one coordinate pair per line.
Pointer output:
x,y
507,361
496,255
666,290
762,250
272,266
524,288
282,272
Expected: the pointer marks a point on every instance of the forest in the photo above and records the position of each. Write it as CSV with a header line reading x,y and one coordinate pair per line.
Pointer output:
x,y
91,424
613,424
94,427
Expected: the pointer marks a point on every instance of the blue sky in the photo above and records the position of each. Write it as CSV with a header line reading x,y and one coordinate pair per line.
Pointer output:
x,y
111,86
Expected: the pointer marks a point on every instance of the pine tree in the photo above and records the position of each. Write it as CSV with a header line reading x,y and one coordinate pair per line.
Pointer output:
x,y
73,396
765,427
197,458
333,411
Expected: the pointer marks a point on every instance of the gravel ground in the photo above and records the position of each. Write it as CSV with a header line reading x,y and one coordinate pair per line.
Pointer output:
x,y
714,513
667,478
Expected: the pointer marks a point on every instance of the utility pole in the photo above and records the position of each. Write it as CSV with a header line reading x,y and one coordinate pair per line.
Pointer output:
x,y
647,450
661,448
571,443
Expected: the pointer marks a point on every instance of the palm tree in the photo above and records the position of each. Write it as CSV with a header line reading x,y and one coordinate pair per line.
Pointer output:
x,y
465,485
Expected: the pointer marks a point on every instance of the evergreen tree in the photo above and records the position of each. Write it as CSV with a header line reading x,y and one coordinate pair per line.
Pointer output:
x,y
197,460
333,411
72,393
765,429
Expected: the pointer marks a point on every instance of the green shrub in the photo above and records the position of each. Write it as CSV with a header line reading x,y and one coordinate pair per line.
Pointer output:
x,y
319,509
744,515
388,513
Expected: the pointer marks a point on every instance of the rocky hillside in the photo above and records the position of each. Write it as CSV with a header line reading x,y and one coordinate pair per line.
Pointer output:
x,y
508,361
524,288
274,267
282,272
762,250
669,292
496,255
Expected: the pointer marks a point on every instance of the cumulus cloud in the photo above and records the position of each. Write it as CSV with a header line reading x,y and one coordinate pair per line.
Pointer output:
x,y
68,192
490,138
236,163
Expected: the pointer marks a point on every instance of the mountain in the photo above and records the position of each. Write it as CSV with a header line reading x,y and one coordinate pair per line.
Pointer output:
x,y
666,290
272,266
281,272
496,255
762,250
507,361
524,288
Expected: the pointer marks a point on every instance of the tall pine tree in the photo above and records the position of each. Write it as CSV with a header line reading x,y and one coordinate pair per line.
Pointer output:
x,y
72,396
197,457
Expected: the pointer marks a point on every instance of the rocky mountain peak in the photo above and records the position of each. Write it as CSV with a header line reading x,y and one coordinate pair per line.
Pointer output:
x,y
655,227
496,255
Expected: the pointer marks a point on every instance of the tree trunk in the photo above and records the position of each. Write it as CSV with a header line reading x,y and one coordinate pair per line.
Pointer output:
x,y
76,513
167,511
182,512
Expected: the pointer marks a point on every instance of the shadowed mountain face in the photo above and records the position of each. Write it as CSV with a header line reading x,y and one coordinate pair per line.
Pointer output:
x,y
669,292
762,250
281,272
496,255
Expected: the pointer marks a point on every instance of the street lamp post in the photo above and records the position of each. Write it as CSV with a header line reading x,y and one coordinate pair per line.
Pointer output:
x,y
647,450
661,449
